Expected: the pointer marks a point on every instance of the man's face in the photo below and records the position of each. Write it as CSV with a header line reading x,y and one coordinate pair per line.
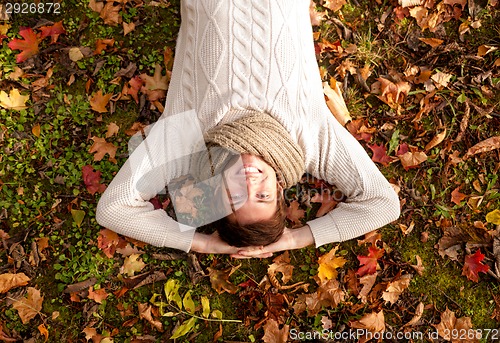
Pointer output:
x,y
252,190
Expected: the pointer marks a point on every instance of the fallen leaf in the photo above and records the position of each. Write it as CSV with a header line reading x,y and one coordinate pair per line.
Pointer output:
x,y
101,148
450,325
75,54
108,241
485,49
419,268
113,129
155,82
92,180
393,94
396,288
359,130
380,154
435,141
111,14
145,313
273,334
456,196
371,237
328,264
132,264
281,264
493,217
99,101
369,263
441,79
334,5
127,28
327,200
9,281
220,280
98,295
412,159
367,281
473,266
52,31
28,46
488,144
135,84
91,333
30,306
96,6
294,213
372,322
14,100
103,44
43,330
433,42
315,16
78,216
335,102
419,311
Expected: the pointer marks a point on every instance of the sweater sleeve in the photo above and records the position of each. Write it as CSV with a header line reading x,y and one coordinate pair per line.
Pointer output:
x,y
371,201
164,155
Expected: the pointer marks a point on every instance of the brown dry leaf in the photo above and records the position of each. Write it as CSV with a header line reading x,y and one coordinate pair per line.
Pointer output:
x,y
102,44
419,311
145,313
16,74
433,42
372,322
99,101
421,15
396,288
485,49
155,82
101,148
456,196
330,293
335,102
328,264
327,200
294,213
371,237
112,130
419,267
489,144
412,159
334,5
9,281
91,333
127,28
281,264
132,264
393,94
220,282
30,306
367,281
111,14
450,324
441,79
273,334
435,141
96,6
98,295
128,250
316,16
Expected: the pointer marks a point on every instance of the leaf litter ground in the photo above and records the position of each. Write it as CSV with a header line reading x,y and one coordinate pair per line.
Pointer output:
x,y
421,81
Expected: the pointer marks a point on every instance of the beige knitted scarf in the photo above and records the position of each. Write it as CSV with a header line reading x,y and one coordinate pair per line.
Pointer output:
x,y
258,134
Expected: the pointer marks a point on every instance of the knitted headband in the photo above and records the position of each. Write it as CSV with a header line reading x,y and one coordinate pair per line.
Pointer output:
x,y
258,134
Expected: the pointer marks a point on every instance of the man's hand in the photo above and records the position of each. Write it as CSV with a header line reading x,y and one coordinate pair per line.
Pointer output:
x,y
211,244
291,239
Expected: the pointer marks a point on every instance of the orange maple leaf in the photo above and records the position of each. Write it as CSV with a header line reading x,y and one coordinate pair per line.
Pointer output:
x,y
99,101
98,295
53,31
28,46
101,148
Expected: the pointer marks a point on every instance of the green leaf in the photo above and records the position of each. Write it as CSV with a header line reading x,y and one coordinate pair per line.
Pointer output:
x,y
462,98
169,314
217,314
78,216
493,217
394,142
188,303
206,306
184,328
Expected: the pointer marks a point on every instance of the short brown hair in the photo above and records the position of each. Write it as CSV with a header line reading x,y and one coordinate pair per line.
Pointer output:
x,y
255,234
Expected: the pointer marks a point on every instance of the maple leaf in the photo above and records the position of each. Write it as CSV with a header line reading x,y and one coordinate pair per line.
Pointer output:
x,y
396,288
101,148
108,241
132,264
113,129
359,130
294,213
473,266
220,282
328,202
145,313
369,263
9,281
92,180
157,81
28,46
273,334
111,14
53,31
380,154
99,101
135,84
91,333
30,306
450,324
102,44
336,102
372,322
14,100
456,196
281,264
328,264
98,295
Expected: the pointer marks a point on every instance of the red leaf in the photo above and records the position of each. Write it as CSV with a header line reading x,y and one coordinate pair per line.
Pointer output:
x,y
28,46
403,149
53,31
380,154
473,266
369,263
92,180
135,85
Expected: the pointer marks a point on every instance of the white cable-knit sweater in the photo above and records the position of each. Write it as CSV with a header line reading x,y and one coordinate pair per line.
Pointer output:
x,y
235,55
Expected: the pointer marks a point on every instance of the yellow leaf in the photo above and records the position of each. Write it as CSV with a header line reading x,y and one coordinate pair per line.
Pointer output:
x,y
493,217
14,100
328,265
132,264
205,303
188,303
184,328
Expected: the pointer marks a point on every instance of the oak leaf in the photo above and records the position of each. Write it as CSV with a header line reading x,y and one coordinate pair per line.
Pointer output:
x,y
14,100
132,264
30,306
9,281
99,101
101,148
98,295
92,180
473,266
273,334
369,263
328,264
380,154
28,45
294,213
396,288
220,280
52,31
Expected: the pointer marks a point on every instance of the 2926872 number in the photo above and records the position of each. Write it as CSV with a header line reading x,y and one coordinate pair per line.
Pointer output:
x,y
32,8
